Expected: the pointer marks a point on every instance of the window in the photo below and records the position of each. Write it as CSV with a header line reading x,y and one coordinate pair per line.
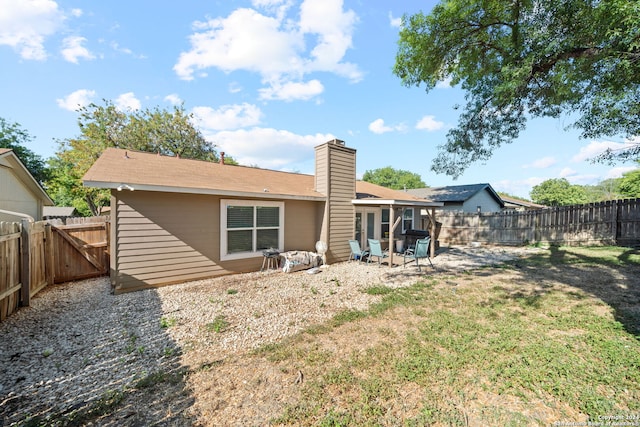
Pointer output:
x,y
384,223
249,227
407,219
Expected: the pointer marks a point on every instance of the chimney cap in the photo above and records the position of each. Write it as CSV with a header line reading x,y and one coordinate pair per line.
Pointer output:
x,y
337,141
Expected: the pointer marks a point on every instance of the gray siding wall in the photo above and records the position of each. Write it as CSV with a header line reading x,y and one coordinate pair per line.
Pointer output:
x,y
16,197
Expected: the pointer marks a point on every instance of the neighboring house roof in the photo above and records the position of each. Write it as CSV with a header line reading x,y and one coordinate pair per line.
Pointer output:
x,y
9,159
455,193
127,170
57,211
512,202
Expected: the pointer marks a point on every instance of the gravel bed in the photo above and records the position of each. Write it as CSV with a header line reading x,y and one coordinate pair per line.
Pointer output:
x,y
77,344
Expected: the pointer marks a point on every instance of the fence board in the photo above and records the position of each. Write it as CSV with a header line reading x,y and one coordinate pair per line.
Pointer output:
x,y
606,223
10,285
29,257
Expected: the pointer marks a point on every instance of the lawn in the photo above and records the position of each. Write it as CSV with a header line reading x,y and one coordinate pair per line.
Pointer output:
x,y
547,339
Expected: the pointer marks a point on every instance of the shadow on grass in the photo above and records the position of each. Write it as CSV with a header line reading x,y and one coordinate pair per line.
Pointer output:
x,y
611,274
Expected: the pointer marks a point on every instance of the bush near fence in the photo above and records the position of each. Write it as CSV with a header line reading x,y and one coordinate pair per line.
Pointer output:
x,y
614,222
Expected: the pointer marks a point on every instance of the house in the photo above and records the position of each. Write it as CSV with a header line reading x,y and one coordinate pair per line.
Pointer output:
x,y
174,220
463,198
58,212
20,194
513,204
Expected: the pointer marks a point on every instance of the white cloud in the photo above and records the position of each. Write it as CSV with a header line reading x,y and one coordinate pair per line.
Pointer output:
x,y
377,126
617,172
595,148
227,117
235,87
76,13
567,172
127,102
267,147
429,123
73,50
25,24
394,22
173,99
75,100
584,179
274,45
541,163
291,91
521,188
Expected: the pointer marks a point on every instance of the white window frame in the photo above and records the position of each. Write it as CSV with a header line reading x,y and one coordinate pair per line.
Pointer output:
x,y
413,216
224,204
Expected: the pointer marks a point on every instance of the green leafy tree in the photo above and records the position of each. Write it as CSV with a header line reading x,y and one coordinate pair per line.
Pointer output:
x,y
609,189
14,137
558,192
630,184
519,59
394,178
155,130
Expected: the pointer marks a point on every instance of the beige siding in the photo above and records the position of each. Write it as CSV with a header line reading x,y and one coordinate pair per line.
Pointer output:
x,y
336,176
302,225
166,238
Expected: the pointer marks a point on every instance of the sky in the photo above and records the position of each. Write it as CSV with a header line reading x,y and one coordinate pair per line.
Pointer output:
x,y
266,81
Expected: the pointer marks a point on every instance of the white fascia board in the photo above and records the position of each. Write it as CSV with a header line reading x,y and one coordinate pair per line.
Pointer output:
x,y
206,191
382,202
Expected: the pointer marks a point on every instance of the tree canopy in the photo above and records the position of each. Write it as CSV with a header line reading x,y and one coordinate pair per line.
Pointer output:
x,y
14,137
393,178
101,126
558,192
630,184
519,59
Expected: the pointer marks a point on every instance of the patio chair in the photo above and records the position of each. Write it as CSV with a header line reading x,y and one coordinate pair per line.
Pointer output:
x,y
375,250
421,250
356,252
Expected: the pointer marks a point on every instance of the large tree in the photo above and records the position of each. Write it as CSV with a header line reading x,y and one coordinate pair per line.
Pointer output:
x,y
393,178
630,184
519,59
170,133
13,136
558,192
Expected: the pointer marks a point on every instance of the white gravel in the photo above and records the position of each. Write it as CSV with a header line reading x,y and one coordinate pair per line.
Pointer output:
x,y
77,342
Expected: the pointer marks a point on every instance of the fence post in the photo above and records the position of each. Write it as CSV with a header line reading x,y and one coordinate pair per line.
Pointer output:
x,y
25,265
49,255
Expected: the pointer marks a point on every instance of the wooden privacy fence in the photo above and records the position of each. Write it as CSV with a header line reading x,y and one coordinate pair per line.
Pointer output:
x,y
34,255
615,222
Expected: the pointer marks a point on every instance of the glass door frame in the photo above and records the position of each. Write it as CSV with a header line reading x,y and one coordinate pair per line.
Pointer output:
x,y
368,219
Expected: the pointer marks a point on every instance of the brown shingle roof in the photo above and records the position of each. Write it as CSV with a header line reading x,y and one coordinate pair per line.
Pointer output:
x,y
151,171
148,171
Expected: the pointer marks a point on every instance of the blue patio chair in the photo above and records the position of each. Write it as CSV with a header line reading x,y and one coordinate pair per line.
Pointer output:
x,y
375,250
356,252
420,250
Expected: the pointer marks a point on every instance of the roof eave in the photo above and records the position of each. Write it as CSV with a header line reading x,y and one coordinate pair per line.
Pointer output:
x,y
124,186
395,202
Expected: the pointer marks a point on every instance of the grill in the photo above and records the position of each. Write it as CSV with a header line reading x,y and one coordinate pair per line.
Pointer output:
x,y
410,237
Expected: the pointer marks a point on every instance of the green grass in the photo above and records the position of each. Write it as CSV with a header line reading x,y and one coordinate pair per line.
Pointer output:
x,y
482,351
219,324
